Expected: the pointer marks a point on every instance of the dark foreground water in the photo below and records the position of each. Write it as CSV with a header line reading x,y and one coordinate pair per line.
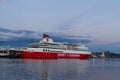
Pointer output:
x,y
61,69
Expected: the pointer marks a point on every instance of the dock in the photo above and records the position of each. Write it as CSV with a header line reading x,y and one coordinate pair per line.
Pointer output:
x,y
6,52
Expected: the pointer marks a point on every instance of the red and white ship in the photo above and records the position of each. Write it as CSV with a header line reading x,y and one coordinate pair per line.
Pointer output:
x,y
47,48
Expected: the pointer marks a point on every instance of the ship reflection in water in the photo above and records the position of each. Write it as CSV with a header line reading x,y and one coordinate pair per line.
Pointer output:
x,y
61,69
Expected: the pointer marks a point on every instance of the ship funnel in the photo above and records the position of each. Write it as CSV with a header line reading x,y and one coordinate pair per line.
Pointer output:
x,y
46,39
46,36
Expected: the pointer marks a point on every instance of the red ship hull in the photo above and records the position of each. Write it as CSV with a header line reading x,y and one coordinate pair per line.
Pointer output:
x,y
51,55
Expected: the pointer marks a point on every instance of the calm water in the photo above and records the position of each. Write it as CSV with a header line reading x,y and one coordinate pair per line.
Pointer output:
x,y
61,69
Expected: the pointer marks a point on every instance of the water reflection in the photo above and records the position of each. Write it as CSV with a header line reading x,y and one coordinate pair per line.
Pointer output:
x,y
18,69
61,69
57,69
104,69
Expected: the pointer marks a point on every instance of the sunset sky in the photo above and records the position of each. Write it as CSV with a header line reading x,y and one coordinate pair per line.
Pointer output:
x,y
99,19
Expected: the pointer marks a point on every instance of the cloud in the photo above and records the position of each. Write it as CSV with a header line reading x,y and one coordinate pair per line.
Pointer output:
x,y
6,34
73,39
69,23
10,35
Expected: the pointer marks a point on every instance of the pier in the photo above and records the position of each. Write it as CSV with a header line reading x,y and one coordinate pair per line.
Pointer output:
x,y
6,52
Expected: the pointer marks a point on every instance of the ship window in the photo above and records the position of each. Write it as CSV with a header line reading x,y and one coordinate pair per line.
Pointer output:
x,y
44,50
5,51
1,51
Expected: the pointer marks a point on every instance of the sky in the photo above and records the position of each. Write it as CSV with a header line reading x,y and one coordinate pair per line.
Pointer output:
x,y
99,19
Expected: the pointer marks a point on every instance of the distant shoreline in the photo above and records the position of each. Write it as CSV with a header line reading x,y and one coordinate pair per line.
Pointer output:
x,y
106,54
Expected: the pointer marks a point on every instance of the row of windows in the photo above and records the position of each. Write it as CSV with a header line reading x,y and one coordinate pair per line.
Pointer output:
x,y
45,50
3,51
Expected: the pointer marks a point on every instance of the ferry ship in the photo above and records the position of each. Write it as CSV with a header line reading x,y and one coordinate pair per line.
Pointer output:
x,y
49,49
